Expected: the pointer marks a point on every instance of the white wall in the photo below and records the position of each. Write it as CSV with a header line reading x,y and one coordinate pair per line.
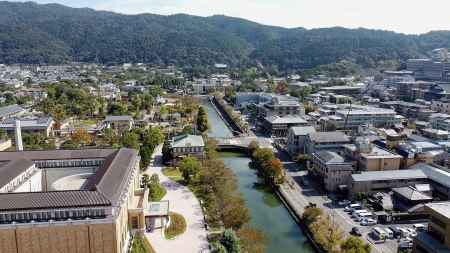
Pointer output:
x,y
33,184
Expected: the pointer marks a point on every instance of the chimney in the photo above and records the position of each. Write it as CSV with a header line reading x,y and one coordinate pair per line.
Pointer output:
x,y
18,132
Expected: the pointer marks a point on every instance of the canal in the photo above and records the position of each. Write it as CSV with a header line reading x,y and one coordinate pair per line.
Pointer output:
x,y
267,212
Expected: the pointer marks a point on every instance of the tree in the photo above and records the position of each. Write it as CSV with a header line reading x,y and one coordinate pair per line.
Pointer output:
x,y
189,167
234,212
153,137
110,136
145,180
311,214
202,120
252,147
274,171
355,245
217,247
146,155
252,240
230,241
81,137
130,140
166,152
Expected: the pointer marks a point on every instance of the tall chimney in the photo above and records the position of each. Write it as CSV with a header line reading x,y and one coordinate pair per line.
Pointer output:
x,y
18,132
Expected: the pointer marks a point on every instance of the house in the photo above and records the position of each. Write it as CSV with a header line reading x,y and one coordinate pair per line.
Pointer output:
x,y
333,141
10,111
331,169
123,122
187,145
296,139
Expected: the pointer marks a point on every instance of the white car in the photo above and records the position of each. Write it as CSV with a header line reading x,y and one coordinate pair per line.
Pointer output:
x,y
344,202
368,222
412,232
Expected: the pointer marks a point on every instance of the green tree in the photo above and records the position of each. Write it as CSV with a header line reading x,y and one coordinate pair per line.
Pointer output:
x,y
146,155
230,241
130,140
202,120
189,167
355,245
81,137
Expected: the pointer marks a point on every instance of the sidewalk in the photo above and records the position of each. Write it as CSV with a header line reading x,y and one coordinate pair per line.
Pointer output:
x,y
182,201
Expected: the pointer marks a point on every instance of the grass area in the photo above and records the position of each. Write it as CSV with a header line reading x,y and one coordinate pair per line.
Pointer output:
x,y
157,194
177,226
232,154
85,122
140,245
173,173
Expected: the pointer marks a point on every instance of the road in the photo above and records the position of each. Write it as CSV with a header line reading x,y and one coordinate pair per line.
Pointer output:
x,y
300,191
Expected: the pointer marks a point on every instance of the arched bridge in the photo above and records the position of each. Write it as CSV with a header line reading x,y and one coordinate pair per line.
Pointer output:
x,y
241,143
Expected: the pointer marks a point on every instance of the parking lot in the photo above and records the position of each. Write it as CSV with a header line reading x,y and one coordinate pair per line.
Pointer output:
x,y
342,218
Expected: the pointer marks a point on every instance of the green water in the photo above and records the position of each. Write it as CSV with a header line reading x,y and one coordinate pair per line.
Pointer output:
x,y
267,212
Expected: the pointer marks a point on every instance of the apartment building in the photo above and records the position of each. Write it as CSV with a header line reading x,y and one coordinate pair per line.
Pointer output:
x,y
331,169
437,238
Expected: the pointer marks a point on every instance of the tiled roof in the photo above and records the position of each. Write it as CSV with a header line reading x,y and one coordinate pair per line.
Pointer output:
x,y
10,109
57,154
12,169
50,200
119,118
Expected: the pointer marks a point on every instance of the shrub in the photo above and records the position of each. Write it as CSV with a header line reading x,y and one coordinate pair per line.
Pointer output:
x,y
177,226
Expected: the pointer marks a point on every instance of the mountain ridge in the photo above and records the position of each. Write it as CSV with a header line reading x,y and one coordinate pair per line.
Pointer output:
x,y
54,33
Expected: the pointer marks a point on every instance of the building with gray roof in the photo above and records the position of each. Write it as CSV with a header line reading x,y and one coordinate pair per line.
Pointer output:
x,y
296,139
187,145
10,111
42,126
333,141
331,169
277,126
94,190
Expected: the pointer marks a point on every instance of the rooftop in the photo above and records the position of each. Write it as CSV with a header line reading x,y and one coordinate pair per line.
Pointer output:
x,y
389,175
442,208
289,119
330,157
302,130
411,193
118,118
187,140
326,137
104,187
10,109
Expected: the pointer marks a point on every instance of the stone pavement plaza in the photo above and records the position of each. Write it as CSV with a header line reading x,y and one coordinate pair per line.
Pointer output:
x,y
182,201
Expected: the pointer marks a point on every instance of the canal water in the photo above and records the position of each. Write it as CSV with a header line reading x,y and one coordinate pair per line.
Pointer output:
x,y
267,212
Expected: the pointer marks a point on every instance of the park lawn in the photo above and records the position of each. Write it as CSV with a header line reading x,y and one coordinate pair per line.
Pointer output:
x,y
86,122
173,173
177,226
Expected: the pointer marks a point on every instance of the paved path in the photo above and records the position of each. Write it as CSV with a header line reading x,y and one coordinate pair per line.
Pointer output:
x,y
183,201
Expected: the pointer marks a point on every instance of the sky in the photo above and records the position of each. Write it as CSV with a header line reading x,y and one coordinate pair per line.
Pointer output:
x,y
405,16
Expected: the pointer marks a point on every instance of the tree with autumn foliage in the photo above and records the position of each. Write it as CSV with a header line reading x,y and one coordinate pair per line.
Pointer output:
x,y
81,137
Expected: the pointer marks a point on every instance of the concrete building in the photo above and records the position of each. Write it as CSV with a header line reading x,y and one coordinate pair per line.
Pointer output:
x,y
429,69
332,141
441,106
437,238
277,126
42,126
370,157
331,169
354,116
296,139
280,105
79,201
343,90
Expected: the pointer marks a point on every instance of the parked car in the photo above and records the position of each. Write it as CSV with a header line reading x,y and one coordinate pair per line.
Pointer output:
x,y
352,207
412,232
419,227
368,222
397,231
355,231
344,202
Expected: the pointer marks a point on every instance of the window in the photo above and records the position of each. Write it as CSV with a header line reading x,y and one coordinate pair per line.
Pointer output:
x,y
134,222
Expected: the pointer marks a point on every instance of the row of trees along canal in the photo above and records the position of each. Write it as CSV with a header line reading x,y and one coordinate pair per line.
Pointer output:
x,y
326,234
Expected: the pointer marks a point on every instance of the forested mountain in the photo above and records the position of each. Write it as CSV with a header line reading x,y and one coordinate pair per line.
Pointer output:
x,y
52,33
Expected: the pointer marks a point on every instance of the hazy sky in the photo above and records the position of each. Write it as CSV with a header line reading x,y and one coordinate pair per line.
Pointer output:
x,y
407,16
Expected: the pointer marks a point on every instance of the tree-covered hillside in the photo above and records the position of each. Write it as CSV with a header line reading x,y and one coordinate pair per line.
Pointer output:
x,y
34,33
